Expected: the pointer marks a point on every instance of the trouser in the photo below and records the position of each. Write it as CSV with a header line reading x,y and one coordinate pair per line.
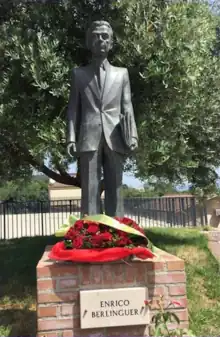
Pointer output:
x,y
91,165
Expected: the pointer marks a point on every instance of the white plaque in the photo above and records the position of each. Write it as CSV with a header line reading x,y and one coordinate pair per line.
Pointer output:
x,y
113,307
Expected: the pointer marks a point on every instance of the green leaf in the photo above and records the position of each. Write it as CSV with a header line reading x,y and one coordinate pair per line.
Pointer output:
x,y
175,317
72,219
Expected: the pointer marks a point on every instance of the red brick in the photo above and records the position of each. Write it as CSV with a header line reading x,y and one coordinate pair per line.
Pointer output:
x,y
155,303
177,290
68,333
47,312
141,273
119,271
56,270
157,291
167,302
59,297
96,274
182,314
46,284
156,265
67,309
67,283
175,265
167,278
126,331
57,324
85,275
49,334
107,274
89,332
135,273
152,313
130,274
182,325
76,322
76,309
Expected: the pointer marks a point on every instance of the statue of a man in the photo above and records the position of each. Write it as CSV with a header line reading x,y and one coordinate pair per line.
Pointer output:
x,y
98,111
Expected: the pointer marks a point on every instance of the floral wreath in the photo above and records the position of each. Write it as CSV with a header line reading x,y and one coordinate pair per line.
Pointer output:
x,y
100,238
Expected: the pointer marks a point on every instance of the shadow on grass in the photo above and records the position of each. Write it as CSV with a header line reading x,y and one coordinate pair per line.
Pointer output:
x,y
18,322
18,260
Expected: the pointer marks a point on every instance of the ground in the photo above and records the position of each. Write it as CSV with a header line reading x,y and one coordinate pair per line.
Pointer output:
x,y
18,259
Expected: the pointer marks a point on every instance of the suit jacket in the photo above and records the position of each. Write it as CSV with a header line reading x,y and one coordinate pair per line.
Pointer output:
x,y
92,112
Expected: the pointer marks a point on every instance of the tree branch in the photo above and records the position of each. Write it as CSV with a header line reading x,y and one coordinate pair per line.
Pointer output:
x,y
64,178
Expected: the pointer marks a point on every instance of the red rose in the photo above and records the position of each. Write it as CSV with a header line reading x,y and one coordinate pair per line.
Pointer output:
x,y
123,242
128,222
77,242
106,236
122,234
93,229
70,234
78,224
97,240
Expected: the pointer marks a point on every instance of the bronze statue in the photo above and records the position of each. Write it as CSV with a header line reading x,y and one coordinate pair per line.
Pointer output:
x,y
101,124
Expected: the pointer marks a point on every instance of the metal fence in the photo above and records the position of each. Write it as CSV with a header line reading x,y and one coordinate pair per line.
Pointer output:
x,y
30,218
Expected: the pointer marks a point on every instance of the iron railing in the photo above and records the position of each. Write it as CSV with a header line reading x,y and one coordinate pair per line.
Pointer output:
x,y
31,218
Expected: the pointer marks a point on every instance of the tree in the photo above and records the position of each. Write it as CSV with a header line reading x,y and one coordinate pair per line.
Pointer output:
x,y
159,187
23,190
167,47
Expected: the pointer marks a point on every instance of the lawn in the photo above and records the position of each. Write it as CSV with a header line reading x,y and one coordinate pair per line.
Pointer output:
x,y
18,259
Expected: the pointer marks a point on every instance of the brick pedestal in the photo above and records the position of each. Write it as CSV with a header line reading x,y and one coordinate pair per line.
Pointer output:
x,y
58,286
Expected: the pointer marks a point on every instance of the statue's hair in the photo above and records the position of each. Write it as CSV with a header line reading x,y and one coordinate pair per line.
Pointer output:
x,y
93,26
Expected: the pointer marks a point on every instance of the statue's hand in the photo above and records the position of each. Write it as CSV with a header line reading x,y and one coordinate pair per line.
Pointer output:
x,y
71,149
134,144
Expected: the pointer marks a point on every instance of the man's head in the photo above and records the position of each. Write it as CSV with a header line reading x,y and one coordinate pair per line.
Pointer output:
x,y
99,38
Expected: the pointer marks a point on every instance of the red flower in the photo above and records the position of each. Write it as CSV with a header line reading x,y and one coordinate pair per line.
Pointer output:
x,y
93,229
79,224
147,302
122,234
98,240
92,234
175,302
102,237
127,221
71,234
106,236
77,242
123,241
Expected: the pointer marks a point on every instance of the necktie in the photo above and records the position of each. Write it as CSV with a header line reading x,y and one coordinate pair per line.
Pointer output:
x,y
101,77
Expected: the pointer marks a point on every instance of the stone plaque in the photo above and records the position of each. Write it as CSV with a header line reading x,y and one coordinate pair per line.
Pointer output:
x,y
113,307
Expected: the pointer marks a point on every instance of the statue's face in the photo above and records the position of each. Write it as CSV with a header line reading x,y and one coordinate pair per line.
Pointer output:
x,y
101,41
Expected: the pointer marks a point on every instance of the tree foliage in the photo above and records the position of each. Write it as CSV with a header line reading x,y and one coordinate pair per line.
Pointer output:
x,y
168,48
23,190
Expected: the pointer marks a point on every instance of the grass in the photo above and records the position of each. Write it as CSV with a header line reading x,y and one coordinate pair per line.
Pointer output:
x,y
203,276
18,259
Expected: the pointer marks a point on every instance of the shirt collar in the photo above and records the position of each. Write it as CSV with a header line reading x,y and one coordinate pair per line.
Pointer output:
x,y
105,64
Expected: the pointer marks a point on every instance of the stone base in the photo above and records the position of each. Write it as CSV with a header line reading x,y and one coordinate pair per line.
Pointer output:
x,y
214,242
58,286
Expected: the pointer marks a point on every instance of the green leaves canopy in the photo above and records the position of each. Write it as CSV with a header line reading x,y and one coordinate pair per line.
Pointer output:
x,y
168,48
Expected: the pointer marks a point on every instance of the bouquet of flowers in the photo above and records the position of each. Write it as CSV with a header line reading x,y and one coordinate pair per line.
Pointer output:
x,y
100,238
90,234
